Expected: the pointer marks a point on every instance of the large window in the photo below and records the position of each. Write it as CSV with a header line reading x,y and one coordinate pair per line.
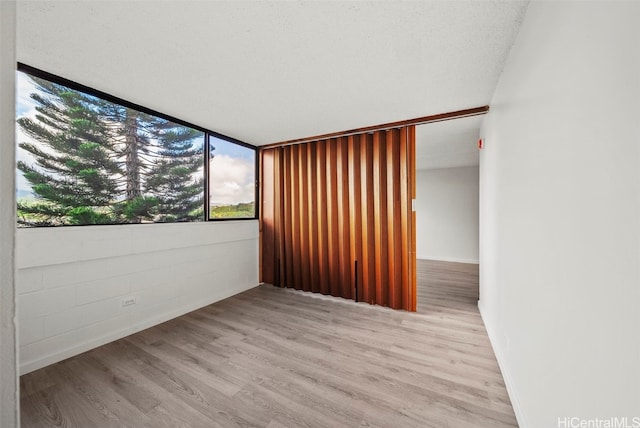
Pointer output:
x,y
232,180
85,157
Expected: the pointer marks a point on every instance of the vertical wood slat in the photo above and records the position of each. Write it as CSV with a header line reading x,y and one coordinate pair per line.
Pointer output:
x,y
377,217
304,218
382,282
368,239
355,212
296,248
268,251
390,222
279,218
340,201
344,241
321,205
394,231
313,227
405,212
397,218
286,236
332,218
412,184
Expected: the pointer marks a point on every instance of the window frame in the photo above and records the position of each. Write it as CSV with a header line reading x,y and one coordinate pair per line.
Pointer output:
x,y
36,72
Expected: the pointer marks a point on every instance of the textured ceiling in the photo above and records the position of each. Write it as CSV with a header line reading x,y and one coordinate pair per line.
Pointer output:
x,y
267,71
449,144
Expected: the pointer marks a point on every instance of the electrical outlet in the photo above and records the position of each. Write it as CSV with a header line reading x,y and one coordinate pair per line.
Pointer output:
x,y
128,301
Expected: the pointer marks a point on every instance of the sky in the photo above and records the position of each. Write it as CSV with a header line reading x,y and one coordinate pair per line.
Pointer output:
x,y
231,173
232,169
24,108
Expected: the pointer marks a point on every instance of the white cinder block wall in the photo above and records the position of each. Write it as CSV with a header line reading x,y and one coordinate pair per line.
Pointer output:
x,y
560,217
71,281
447,214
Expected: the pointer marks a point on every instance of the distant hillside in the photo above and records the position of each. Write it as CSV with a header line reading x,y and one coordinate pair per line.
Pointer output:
x,y
242,210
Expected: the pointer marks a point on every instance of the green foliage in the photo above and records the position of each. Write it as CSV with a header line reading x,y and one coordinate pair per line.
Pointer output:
x,y
95,162
87,215
242,210
172,178
136,210
38,213
68,172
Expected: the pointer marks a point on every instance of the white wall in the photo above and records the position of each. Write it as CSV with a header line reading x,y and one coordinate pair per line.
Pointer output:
x,y
71,280
9,416
559,214
447,214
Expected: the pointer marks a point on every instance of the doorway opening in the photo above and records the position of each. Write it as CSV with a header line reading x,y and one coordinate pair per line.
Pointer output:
x,y
447,206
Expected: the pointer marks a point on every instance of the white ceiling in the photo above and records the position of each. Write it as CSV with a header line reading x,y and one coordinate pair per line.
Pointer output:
x,y
268,71
449,144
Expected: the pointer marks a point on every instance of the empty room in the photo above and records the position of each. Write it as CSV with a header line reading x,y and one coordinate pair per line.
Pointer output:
x,y
319,214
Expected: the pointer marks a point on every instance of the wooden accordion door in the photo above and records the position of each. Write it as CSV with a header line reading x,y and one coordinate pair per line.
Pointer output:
x,y
337,219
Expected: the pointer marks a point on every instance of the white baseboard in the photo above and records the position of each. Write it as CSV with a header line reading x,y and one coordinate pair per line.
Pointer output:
x,y
449,259
63,354
508,380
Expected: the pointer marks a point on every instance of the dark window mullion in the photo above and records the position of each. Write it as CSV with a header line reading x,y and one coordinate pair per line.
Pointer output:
x,y
207,153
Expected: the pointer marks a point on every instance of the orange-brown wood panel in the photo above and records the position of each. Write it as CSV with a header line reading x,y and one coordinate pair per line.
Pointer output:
x,y
305,263
389,224
321,205
312,204
405,208
267,232
332,218
295,218
399,251
287,229
355,219
337,202
395,253
342,181
412,196
368,238
279,216
377,216
383,281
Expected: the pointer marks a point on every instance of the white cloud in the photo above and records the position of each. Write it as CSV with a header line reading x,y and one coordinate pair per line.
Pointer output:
x,y
25,106
231,180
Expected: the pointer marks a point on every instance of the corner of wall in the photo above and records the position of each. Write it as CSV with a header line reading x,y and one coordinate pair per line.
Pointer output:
x,y
506,375
9,387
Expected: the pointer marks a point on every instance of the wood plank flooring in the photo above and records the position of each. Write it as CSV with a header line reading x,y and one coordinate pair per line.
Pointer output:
x,y
447,285
276,358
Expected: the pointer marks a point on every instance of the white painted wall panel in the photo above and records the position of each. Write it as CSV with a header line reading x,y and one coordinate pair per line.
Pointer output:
x,y
70,293
560,215
447,214
9,415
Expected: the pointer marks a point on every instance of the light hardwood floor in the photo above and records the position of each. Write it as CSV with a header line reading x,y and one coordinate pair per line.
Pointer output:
x,y
276,358
446,285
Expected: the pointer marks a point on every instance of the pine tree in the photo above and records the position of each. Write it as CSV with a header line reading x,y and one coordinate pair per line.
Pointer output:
x,y
160,160
99,162
133,150
175,178
73,178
